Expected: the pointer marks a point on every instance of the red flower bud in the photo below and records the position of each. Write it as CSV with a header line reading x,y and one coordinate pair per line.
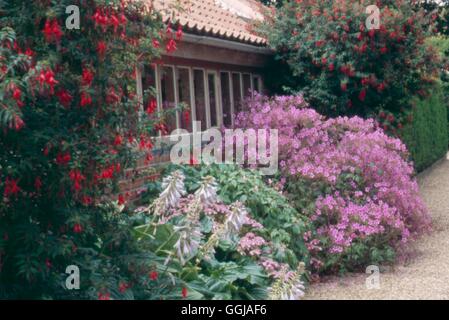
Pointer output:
x,y
77,228
118,140
362,95
154,275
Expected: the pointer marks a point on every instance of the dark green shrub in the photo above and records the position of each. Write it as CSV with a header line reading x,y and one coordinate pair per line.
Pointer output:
x,y
344,69
68,122
427,135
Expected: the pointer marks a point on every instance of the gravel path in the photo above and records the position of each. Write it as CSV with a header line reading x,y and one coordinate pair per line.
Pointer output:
x,y
426,274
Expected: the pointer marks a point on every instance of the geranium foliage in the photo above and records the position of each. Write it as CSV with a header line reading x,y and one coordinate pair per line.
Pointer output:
x,y
343,67
70,125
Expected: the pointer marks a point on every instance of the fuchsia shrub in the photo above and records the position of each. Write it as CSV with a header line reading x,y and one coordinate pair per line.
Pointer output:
x,y
351,179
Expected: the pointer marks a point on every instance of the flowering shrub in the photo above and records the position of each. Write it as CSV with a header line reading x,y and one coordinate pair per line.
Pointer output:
x,y
219,251
350,178
69,114
283,225
344,68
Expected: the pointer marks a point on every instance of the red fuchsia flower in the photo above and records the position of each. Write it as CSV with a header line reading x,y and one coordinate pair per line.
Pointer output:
x,y
108,173
360,36
179,33
3,69
156,44
18,123
324,60
63,159
121,200
100,19
331,67
148,158
45,151
171,46
123,20
19,102
64,97
76,177
186,116
381,87
344,86
168,30
151,106
11,188
316,12
383,50
363,48
77,228
362,95
372,33
85,99
184,292
17,93
87,77
145,143
123,287
48,263
101,49
47,77
114,21
154,275
112,97
104,296
118,140
52,31
319,43
335,36
29,52
345,70
390,118
38,184
365,81
162,128
86,200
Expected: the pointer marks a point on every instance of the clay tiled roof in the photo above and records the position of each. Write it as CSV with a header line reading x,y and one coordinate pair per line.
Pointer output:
x,y
227,19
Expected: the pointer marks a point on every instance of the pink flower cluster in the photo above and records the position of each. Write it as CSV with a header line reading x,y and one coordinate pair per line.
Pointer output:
x,y
384,201
251,244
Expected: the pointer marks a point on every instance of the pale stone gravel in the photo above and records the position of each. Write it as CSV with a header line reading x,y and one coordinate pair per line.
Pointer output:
x,y
426,273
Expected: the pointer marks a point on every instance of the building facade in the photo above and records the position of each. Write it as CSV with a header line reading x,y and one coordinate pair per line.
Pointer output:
x,y
216,65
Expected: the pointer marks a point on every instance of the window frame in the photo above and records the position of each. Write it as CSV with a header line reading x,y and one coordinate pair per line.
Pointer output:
x,y
218,91
218,109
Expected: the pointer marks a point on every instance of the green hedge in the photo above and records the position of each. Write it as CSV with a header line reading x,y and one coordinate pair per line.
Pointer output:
x,y
427,136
